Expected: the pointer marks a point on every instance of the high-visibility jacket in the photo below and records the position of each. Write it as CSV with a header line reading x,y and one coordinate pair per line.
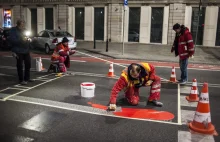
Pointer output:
x,y
60,50
185,44
125,81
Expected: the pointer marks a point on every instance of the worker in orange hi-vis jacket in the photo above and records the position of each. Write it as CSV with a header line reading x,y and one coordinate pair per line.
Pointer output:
x,y
61,54
132,78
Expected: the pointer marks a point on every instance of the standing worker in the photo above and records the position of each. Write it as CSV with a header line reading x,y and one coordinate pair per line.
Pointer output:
x,y
184,47
20,50
132,78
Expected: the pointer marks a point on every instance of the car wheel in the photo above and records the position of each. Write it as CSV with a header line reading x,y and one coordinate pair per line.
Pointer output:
x,y
47,49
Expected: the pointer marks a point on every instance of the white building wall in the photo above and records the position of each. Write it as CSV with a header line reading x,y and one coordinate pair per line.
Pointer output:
x,y
165,24
188,17
89,23
210,28
40,19
145,24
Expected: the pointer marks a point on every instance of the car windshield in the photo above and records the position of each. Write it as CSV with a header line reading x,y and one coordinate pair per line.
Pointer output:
x,y
60,34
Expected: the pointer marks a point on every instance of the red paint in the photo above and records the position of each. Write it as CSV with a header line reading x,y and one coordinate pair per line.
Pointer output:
x,y
87,84
139,113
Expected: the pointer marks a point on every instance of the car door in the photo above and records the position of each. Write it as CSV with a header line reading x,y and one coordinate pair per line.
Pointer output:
x,y
44,39
37,39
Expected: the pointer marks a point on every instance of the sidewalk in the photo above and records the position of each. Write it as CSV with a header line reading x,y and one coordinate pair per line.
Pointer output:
x,y
149,52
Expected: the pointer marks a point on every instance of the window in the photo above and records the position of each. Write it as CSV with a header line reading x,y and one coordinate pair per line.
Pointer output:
x,y
99,24
49,18
217,42
79,26
134,24
34,21
156,25
195,13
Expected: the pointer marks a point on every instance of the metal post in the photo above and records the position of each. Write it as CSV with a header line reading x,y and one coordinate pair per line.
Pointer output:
x,y
107,29
197,28
123,44
94,32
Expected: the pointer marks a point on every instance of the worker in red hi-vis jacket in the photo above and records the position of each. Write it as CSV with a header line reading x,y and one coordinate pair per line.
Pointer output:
x,y
132,78
61,54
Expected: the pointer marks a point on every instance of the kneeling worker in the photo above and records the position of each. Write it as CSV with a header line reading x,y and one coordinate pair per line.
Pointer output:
x,y
61,55
132,78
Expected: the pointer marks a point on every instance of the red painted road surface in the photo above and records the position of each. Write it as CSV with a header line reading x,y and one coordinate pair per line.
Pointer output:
x,y
124,61
139,113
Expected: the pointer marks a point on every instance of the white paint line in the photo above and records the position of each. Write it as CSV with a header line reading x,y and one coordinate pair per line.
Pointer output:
x,y
187,116
184,136
78,108
179,107
46,75
22,86
31,88
4,89
184,102
16,88
1,74
185,89
101,59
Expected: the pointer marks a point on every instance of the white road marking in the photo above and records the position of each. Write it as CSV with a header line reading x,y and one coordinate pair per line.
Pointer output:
x,y
4,89
185,89
16,88
31,88
178,106
184,136
187,116
19,85
74,107
184,102
1,74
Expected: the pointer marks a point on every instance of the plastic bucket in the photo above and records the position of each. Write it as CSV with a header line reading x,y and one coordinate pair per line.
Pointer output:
x,y
87,89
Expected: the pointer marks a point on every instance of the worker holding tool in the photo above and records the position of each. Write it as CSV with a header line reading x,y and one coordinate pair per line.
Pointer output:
x,y
132,78
61,55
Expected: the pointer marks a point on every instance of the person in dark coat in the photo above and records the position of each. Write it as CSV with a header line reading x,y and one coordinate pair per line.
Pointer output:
x,y
20,50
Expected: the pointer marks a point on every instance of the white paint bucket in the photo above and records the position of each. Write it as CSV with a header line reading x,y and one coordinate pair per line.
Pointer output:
x,y
87,89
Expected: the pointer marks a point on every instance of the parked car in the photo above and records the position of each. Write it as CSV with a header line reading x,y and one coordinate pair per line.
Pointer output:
x,y
48,39
4,35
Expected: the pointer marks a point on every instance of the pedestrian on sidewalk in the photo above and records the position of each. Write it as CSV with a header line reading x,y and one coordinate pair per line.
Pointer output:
x,y
132,78
184,47
20,50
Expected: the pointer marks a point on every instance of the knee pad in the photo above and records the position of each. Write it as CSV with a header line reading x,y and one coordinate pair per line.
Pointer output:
x,y
61,59
134,102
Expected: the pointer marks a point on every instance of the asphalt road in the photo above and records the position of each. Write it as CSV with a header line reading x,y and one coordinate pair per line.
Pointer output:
x,y
52,110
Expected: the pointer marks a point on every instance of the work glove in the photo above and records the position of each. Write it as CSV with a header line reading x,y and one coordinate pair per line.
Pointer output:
x,y
72,52
68,53
112,107
149,82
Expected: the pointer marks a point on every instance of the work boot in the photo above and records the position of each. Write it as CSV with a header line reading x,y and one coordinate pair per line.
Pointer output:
x,y
155,103
23,82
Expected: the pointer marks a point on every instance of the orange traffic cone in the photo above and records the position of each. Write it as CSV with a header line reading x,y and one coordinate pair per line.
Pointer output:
x,y
202,119
173,75
111,71
193,96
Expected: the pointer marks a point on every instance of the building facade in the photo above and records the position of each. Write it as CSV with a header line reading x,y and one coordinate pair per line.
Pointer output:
x,y
143,21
